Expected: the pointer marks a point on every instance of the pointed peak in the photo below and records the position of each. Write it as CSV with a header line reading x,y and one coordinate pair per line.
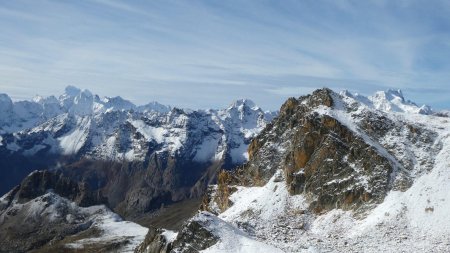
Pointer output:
x,y
395,93
322,96
72,91
390,94
242,102
154,106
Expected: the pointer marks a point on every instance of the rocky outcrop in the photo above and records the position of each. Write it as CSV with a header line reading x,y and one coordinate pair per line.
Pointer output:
x,y
195,235
136,188
154,242
37,211
40,182
336,162
315,171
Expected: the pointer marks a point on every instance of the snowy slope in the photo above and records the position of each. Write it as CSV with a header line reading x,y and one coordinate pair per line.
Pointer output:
x,y
114,230
231,238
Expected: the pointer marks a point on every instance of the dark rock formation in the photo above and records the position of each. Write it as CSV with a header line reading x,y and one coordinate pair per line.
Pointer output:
x,y
135,188
154,242
40,182
34,213
194,236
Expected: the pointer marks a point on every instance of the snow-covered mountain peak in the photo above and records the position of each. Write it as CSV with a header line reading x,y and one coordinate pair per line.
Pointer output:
x,y
80,123
154,106
76,101
390,100
244,110
391,94
115,103
241,103
82,104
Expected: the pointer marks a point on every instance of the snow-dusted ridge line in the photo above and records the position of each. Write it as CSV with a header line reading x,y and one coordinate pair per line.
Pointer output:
x,y
390,100
80,123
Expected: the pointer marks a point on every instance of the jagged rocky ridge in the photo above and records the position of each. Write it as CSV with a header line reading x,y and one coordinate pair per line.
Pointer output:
x,y
333,173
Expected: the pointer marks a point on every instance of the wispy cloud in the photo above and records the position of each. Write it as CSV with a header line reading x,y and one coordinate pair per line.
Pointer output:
x,y
206,53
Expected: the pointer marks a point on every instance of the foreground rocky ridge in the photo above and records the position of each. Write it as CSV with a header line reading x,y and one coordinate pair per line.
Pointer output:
x,y
336,173
48,212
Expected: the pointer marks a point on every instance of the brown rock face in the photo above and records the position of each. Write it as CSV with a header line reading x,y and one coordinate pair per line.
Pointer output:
x,y
322,158
333,165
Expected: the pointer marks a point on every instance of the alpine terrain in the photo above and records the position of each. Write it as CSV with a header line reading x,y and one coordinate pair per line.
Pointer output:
x,y
329,172
334,172
150,164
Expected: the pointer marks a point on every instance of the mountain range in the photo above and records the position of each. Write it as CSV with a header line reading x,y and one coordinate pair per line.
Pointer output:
x,y
329,172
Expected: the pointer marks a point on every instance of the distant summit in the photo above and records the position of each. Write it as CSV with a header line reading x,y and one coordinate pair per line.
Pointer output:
x,y
390,100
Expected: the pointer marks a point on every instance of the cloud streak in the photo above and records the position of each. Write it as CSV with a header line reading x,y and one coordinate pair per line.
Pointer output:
x,y
202,54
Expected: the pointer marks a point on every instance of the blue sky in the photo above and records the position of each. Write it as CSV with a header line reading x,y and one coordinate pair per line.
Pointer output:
x,y
201,54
